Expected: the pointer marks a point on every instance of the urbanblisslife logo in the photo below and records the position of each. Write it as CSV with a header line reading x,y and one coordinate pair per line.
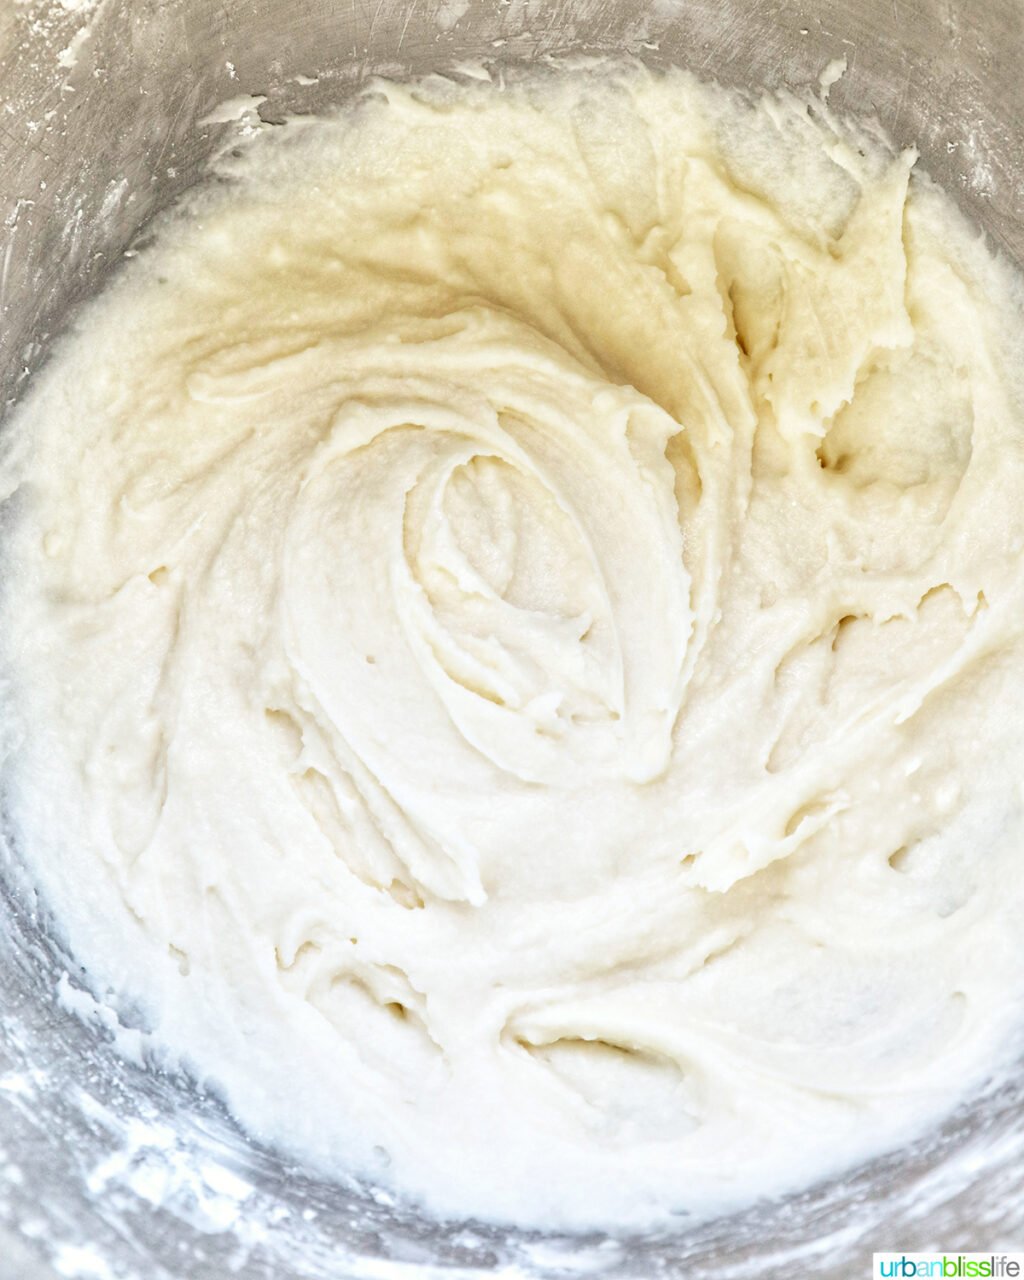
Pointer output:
x,y
950,1266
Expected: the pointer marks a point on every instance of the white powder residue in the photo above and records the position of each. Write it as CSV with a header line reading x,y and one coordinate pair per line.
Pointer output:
x,y
81,1262
832,74
76,1000
450,12
243,107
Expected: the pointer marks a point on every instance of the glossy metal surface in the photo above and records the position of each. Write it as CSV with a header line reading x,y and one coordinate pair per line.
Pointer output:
x,y
110,1169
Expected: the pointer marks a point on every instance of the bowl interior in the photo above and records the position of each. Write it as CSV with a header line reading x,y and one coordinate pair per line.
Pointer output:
x,y
107,1163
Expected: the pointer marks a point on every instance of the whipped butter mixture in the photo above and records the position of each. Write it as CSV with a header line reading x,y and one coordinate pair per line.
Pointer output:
x,y
513,621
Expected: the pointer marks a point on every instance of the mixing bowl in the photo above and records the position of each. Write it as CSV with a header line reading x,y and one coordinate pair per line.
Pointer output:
x,y
109,109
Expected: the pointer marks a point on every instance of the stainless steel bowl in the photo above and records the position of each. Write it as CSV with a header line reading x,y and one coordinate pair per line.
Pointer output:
x,y
109,1168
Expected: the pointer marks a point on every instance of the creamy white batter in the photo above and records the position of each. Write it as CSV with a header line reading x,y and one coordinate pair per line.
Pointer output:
x,y
514,612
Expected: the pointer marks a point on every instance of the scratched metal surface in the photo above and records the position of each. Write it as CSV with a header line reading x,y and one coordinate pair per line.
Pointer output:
x,y
98,133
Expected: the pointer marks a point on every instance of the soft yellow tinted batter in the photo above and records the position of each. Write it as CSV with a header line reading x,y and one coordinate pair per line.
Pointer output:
x,y
516,613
